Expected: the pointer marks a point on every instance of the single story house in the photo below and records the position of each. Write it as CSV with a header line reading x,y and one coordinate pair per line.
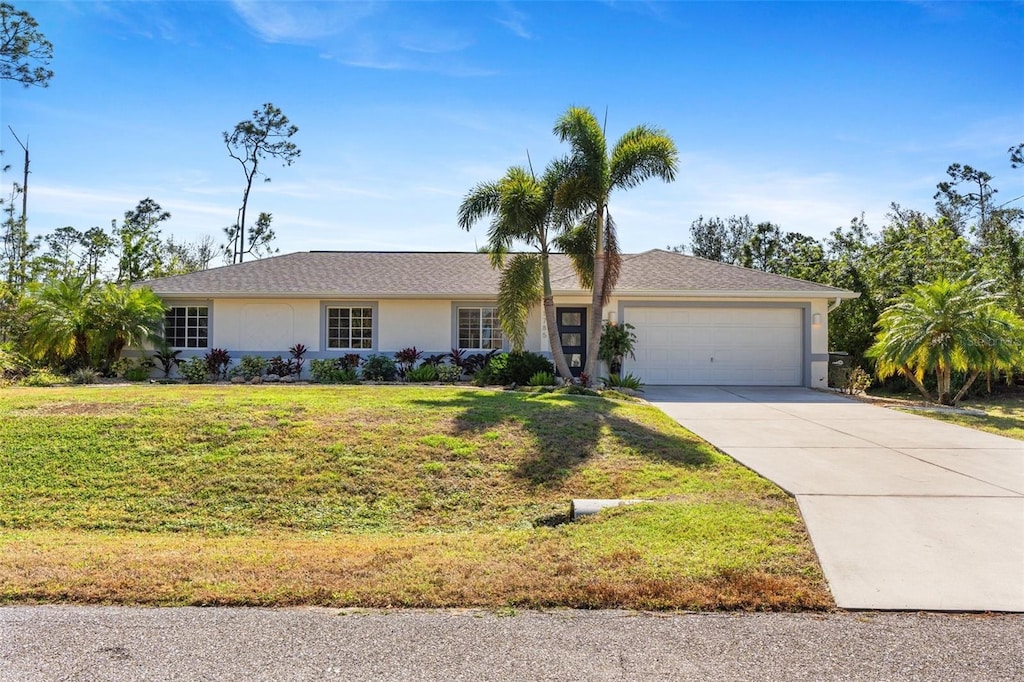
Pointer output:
x,y
696,321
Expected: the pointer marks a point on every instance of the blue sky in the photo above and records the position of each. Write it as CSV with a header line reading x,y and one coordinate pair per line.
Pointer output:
x,y
804,114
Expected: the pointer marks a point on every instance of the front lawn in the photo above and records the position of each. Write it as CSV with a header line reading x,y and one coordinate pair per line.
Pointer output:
x,y
1004,414
380,496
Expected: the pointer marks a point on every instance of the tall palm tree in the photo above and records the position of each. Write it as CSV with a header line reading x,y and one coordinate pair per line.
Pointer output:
x,y
522,209
126,316
642,153
59,317
945,327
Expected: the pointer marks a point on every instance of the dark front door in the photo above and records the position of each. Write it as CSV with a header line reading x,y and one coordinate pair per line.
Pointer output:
x,y
572,333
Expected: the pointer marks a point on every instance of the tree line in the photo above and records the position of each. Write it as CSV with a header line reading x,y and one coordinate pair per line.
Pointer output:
x,y
970,235
67,298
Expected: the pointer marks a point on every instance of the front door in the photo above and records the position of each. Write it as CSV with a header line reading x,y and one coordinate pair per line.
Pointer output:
x,y
572,334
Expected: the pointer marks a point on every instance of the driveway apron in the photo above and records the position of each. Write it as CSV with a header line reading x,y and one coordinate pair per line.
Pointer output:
x,y
905,512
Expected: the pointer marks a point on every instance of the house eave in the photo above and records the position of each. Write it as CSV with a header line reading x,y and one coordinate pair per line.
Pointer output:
x,y
486,295
326,295
721,293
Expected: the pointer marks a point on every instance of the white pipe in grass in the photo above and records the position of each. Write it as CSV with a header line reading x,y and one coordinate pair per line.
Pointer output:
x,y
579,508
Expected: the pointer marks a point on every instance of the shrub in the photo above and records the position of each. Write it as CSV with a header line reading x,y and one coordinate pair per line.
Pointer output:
x,y
522,366
406,359
471,364
297,351
542,379
322,370
85,375
332,371
516,368
625,381
165,356
435,360
13,365
43,377
448,374
139,371
487,375
217,362
422,373
251,366
349,361
279,366
117,368
857,381
617,341
576,389
379,368
167,359
194,370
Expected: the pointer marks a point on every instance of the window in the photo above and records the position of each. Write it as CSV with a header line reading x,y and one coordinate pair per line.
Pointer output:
x,y
187,326
479,329
572,339
572,319
349,328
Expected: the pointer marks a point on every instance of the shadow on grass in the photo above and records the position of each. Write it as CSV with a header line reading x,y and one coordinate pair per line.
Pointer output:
x,y
568,431
1009,426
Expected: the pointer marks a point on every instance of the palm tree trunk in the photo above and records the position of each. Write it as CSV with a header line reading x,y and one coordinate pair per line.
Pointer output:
x,y
944,377
917,382
82,349
963,389
561,366
597,300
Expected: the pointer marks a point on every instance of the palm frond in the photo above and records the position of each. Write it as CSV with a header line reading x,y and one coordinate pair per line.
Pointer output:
x,y
946,326
483,200
580,129
519,291
578,244
643,153
612,259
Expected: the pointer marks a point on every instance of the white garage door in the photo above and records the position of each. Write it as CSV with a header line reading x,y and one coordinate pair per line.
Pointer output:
x,y
717,346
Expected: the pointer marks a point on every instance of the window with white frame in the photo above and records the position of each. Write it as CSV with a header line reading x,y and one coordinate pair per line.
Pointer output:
x,y
187,326
349,328
479,328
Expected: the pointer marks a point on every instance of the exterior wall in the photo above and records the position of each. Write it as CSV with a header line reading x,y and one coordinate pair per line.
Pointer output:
x,y
425,324
819,344
245,326
270,326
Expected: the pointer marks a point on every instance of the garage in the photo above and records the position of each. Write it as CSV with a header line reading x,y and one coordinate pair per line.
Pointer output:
x,y
717,346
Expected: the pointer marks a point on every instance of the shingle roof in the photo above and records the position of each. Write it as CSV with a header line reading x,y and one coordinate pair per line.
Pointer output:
x,y
362,274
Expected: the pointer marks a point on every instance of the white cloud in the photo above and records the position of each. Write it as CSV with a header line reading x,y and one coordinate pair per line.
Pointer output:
x,y
514,20
302,22
367,35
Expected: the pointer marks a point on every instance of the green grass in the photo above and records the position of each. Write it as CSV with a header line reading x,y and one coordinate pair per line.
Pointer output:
x,y
1004,415
376,496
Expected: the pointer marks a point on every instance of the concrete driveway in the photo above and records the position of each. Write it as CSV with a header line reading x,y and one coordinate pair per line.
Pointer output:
x,y
905,512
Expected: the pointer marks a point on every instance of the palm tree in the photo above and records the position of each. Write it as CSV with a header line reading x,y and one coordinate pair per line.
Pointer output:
x,y
59,317
523,211
945,327
126,316
642,153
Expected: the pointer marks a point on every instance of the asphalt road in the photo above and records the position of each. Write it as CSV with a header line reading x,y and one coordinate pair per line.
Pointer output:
x,y
117,643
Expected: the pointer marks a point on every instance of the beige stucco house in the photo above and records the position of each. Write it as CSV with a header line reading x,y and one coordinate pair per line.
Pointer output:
x,y
696,321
